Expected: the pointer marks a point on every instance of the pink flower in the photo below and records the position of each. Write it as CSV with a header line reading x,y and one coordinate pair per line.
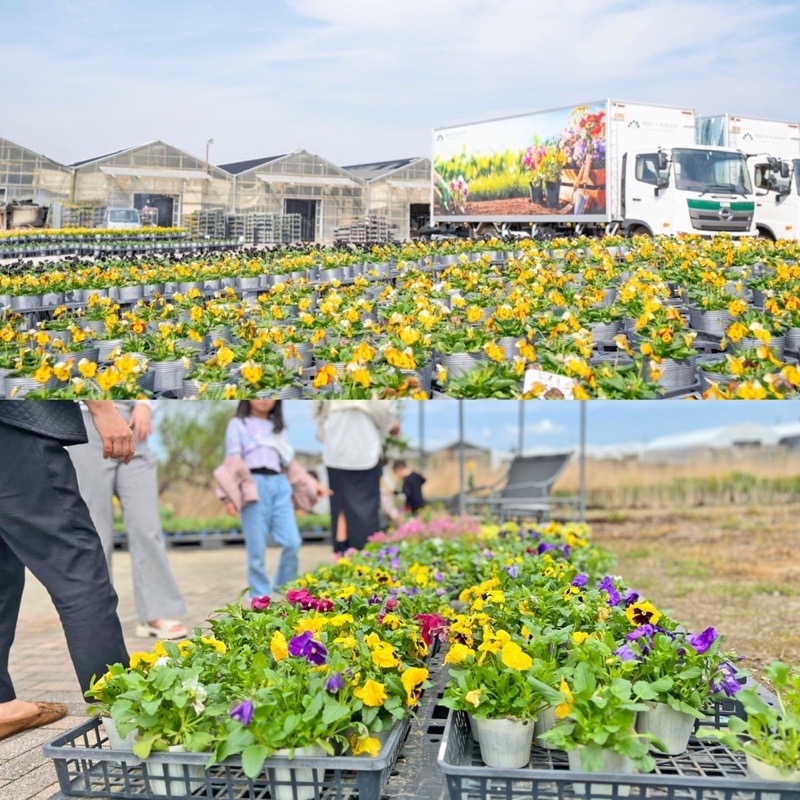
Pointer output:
x,y
260,603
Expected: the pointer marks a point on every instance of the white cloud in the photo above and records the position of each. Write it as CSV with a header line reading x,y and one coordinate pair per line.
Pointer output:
x,y
360,79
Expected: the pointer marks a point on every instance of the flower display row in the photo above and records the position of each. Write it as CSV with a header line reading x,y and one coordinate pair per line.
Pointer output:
x,y
618,320
537,632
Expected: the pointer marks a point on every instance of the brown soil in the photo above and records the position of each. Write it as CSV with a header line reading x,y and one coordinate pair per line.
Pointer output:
x,y
737,569
513,207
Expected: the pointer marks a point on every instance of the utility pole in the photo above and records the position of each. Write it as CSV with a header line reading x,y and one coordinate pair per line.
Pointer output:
x,y
583,461
208,148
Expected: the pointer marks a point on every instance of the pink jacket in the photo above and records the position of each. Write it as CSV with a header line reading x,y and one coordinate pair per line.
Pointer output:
x,y
235,484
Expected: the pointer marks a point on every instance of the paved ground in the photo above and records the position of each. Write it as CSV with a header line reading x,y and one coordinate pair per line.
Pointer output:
x,y
42,670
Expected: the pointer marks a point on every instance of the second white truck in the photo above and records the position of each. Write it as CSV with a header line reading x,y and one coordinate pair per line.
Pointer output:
x,y
773,150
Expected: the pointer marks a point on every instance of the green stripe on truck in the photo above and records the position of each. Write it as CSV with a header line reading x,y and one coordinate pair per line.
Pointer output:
x,y
714,205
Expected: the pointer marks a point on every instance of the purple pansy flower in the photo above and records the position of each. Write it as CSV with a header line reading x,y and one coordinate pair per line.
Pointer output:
x,y
513,571
630,597
725,681
334,683
566,550
613,595
243,712
374,600
307,647
580,580
643,630
702,641
625,653
544,547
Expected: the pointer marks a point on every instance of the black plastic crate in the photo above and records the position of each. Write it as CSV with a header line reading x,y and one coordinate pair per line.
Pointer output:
x,y
86,768
707,771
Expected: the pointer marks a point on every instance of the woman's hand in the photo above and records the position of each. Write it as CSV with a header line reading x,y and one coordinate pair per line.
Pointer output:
x,y
141,421
114,432
230,509
323,491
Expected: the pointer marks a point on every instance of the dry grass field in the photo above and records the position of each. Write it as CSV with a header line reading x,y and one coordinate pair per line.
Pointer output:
x,y
734,567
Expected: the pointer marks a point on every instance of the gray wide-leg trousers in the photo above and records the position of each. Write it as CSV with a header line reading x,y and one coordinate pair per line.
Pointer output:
x,y
135,484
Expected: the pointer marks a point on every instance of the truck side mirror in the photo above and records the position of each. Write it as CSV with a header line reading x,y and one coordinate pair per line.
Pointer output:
x,y
663,163
786,169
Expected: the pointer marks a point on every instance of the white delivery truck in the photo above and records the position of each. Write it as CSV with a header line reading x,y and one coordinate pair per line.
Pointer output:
x,y
601,167
773,148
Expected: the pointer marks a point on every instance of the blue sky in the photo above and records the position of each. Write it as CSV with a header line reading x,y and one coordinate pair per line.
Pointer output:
x,y
361,80
494,423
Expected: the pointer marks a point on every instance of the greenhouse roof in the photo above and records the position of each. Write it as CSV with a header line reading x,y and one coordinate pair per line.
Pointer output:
x,y
86,161
378,169
34,152
238,167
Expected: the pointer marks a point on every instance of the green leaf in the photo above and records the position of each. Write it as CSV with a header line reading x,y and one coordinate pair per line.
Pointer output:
x,y
253,759
145,744
290,723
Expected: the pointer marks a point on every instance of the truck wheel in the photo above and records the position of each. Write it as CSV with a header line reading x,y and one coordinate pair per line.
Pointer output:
x,y
764,233
639,230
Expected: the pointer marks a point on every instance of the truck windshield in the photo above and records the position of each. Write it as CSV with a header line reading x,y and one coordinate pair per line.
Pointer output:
x,y
796,169
123,215
712,171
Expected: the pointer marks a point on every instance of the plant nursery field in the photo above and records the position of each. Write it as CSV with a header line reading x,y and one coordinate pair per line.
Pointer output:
x,y
610,318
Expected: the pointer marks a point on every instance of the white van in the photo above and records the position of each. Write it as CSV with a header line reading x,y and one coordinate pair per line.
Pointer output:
x,y
122,218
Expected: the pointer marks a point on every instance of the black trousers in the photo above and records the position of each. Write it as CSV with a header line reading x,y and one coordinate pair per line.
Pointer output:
x,y
357,493
45,526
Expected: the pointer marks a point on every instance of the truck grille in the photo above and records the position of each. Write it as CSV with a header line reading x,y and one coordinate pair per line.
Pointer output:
x,y
711,215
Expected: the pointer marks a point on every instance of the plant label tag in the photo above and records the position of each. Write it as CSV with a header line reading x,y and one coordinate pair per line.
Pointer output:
x,y
554,385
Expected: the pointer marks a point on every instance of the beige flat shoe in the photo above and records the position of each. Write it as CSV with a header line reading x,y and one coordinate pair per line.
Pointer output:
x,y
167,629
47,713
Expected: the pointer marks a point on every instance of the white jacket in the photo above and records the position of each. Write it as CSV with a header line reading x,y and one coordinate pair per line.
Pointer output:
x,y
353,432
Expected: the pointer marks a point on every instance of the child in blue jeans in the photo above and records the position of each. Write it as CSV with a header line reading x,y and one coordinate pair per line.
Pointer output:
x,y
257,435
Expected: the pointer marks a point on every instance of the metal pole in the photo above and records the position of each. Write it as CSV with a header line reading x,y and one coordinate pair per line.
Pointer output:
x,y
421,407
462,500
583,462
521,426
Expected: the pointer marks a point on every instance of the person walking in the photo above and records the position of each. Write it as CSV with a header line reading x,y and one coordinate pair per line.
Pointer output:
x,y
353,433
159,603
46,527
252,483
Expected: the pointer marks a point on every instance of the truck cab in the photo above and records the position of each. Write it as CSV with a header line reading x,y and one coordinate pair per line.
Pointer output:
x,y
777,189
696,190
122,218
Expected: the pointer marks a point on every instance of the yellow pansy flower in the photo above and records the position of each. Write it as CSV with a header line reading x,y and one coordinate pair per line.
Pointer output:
x,y
412,680
143,659
644,613
278,646
211,641
473,697
371,693
565,708
369,745
457,653
514,657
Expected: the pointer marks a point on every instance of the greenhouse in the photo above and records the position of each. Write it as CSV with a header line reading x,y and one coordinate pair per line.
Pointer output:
x,y
297,188
156,176
28,175
398,192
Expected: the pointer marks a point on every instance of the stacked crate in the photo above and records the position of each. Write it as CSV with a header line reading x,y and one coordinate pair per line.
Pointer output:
x,y
370,230
209,222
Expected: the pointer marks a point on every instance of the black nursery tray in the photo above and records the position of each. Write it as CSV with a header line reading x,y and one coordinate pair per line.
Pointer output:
x,y
87,768
706,771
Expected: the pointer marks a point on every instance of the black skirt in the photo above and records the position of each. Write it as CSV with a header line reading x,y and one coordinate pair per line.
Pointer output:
x,y
357,493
